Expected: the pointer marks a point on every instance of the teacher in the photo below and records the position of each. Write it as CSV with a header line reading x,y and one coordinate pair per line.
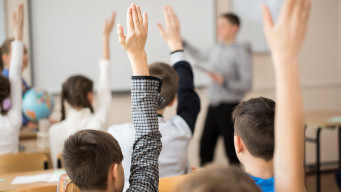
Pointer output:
x,y
231,75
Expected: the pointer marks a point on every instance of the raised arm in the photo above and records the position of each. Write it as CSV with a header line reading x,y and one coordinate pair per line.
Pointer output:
x,y
285,38
15,65
146,100
188,99
104,95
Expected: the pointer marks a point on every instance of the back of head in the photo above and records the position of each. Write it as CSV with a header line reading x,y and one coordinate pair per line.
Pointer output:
x,y
75,91
88,156
5,91
254,122
217,178
5,49
232,18
170,80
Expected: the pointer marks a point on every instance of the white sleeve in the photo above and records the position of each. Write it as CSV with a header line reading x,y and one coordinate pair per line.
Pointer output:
x,y
103,93
15,114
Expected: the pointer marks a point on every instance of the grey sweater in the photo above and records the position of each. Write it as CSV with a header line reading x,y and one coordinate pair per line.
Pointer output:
x,y
234,62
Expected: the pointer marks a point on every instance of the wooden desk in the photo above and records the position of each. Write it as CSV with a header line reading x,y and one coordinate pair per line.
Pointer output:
x,y
26,133
166,184
8,178
30,146
320,119
169,184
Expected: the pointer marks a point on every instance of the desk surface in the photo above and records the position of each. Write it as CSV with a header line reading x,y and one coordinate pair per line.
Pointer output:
x,y
321,118
6,179
166,184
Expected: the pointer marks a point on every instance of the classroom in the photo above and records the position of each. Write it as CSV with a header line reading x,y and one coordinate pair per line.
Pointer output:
x,y
170,96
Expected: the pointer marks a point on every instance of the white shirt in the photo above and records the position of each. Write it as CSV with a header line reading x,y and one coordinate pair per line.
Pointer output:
x,y
176,136
10,124
83,119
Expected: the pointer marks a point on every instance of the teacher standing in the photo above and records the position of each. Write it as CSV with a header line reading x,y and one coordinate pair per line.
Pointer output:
x,y
231,76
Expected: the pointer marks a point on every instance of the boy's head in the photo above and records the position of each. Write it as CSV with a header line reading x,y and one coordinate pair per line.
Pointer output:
x,y
254,129
92,160
170,80
218,178
228,26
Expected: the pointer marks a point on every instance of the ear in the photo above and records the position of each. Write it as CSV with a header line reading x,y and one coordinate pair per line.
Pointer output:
x,y
238,144
5,58
235,29
173,102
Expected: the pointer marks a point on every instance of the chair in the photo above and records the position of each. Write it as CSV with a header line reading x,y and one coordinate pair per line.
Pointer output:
x,y
21,162
59,160
50,188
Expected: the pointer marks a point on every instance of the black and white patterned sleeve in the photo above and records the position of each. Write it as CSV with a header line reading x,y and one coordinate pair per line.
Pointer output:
x,y
146,100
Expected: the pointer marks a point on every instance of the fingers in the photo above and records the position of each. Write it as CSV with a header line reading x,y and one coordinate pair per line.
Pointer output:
x,y
130,21
121,36
21,12
139,14
287,9
136,19
169,15
306,11
112,19
145,21
161,30
267,18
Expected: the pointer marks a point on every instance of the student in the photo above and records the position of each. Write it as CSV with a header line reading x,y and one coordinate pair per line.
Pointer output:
x,y
77,91
10,90
285,38
93,159
232,78
177,82
254,122
6,56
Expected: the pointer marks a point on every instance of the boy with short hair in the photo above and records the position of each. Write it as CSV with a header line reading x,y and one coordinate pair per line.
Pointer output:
x,y
285,38
177,83
254,139
93,159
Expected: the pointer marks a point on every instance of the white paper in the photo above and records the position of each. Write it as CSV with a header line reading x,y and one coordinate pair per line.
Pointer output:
x,y
56,175
31,179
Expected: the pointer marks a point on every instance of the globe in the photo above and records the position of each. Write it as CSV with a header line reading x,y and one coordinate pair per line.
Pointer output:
x,y
37,104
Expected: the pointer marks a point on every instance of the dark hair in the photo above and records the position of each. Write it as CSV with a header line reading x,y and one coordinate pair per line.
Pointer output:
x,y
5,91
87,157
170,80
75,91
216,178
254,122
5,49
232,18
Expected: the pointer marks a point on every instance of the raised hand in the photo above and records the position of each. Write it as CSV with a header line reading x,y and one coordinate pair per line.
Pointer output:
x,y
171,32
18,23
109,25
135,41
286,36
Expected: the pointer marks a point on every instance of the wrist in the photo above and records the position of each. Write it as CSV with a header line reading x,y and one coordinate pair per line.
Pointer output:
x,y
139,63
18,36
176,46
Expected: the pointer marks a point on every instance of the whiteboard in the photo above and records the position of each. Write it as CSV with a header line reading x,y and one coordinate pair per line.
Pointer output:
x,y
2,22
251,21
66,37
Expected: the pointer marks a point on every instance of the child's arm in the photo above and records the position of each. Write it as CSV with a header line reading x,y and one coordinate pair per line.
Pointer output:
x,y
104,95
285,38
188,100
145,96
15,113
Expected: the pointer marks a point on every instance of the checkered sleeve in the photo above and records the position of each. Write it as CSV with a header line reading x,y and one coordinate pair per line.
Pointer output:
x,y
146,100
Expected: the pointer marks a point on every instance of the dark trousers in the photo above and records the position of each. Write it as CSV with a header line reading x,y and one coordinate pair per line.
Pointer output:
x,y
218,123
338,178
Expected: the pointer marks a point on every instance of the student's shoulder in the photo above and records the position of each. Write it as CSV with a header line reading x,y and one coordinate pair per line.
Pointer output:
x,y
178,123
121,129
57,127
